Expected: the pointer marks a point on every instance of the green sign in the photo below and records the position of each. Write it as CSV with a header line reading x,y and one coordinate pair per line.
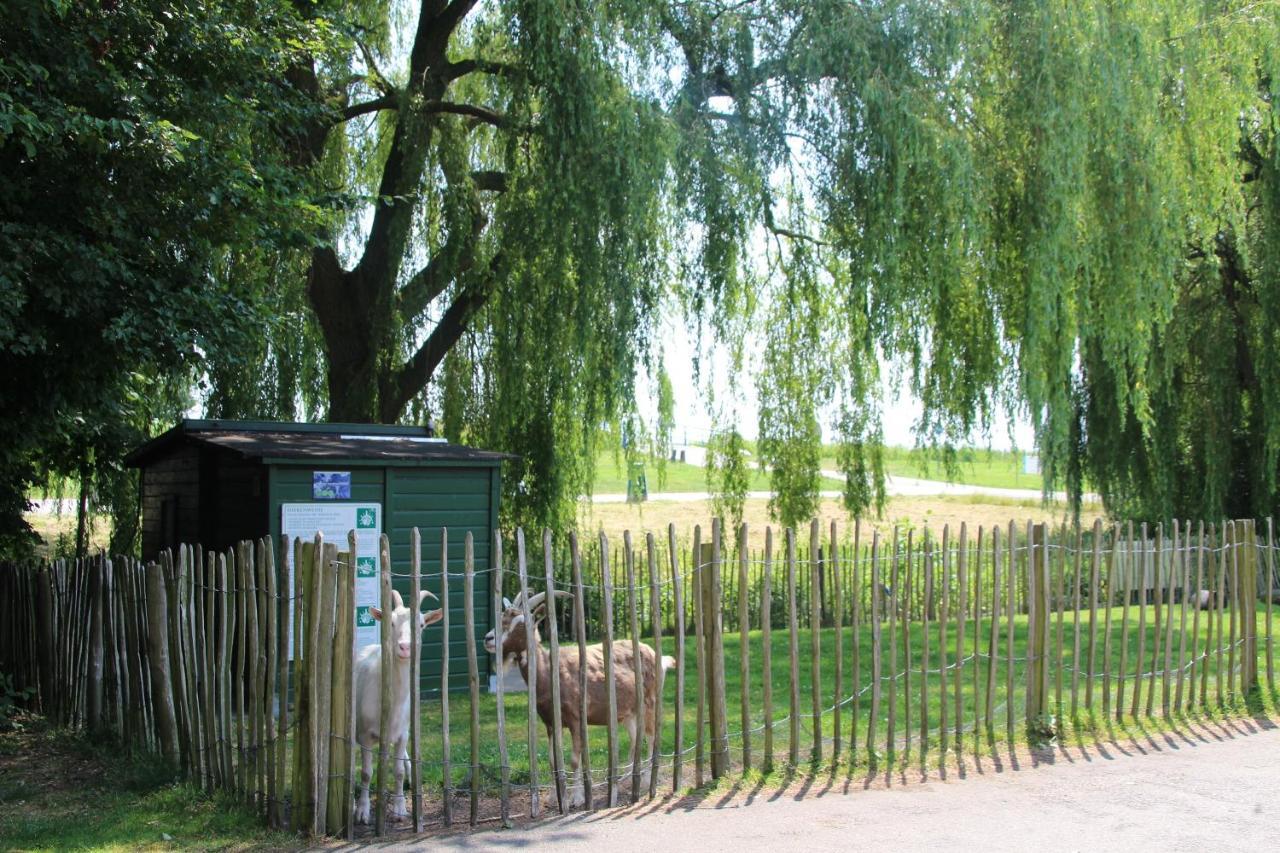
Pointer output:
x,y
364,619
365,567
366,519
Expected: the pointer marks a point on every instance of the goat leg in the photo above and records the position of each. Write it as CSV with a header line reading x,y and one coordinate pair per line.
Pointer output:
x,y
577,793
398,810
366,774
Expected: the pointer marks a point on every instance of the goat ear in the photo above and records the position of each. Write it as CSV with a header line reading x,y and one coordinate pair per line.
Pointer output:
x,y
506,602
431,617
376,613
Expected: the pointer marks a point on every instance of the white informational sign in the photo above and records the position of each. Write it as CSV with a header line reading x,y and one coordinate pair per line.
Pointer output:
x,y
334,521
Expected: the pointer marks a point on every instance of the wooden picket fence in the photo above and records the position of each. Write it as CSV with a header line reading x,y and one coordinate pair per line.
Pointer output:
x,y
915,644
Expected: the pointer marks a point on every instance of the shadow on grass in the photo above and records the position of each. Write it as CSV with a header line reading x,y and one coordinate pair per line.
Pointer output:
x,y
989,751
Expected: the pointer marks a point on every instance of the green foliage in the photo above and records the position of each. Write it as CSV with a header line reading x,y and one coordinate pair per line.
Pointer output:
x,y
728,476
10,698
792,387
134,150
665,427
1065,212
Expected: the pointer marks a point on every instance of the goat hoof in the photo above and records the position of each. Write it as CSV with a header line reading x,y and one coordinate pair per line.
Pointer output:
x,y
362,814
398,810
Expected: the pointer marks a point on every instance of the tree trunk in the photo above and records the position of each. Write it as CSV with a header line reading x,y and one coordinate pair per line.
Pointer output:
x,y
349,328
82,515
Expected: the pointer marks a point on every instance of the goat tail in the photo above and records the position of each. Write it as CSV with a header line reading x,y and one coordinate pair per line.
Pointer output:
x,y
668,662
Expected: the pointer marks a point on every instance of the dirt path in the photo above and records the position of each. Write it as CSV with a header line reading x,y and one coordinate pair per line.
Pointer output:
x,y
1206,788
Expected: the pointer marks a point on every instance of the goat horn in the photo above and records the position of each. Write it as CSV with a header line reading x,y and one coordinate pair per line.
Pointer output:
x,y
540,597
422,596
395,597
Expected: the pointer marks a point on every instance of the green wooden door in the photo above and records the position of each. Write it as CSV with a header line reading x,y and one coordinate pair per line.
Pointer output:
x,y
461,500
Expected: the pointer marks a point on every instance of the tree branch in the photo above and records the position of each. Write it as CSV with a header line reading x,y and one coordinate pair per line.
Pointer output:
x,y
480,113
386,102
779,231
375,75
795,235
419,369
490,181
406,158
463,67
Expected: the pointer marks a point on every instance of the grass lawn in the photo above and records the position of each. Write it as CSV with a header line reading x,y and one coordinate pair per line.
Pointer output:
x,y
975,467
58,533
905,511
62,791
907,721
611,477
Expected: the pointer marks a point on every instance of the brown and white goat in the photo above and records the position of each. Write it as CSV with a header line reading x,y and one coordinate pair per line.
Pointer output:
x,y
516,647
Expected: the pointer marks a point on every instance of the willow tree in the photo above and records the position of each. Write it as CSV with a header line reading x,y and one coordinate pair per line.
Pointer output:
x,y
1065,211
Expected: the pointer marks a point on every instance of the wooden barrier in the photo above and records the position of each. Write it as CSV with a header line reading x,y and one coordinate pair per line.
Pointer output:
x,y
190,657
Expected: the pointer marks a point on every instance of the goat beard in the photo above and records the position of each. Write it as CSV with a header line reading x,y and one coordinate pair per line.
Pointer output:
x,y
513,659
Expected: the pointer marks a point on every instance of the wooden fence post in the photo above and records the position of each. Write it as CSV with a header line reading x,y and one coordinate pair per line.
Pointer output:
x,y
553,635
1271,600
633,613
744,647
713,637
611,693
97,570
158,658
1038,623
473,670
815,640
677,594
446,740
794,649
415,666
837,616
338,790
499,614
387,641
44,623
875,648
655,617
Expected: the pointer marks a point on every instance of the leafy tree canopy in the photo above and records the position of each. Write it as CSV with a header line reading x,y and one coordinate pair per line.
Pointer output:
x,y
139,141
1066,211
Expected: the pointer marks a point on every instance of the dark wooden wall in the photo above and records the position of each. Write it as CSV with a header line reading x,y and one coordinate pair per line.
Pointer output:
x,y
202,495
170,501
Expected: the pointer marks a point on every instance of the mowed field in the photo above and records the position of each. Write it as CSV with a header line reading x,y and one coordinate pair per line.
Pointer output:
x,y
904,511
970,678
975,467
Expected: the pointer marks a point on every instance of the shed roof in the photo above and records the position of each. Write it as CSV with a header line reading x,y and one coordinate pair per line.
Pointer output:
x,y
280,440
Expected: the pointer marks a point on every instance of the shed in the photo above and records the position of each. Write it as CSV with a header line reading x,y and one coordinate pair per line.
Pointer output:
x,y
216,482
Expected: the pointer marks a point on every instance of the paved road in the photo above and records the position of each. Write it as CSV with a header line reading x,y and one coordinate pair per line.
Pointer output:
x,y
1211,789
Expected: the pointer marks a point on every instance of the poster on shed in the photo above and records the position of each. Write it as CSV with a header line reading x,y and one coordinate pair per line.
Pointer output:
x,y
334,521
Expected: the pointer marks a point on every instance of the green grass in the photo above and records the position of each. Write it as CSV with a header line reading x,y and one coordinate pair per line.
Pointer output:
x,y
907,737
98,799
611,476
62,791
974,467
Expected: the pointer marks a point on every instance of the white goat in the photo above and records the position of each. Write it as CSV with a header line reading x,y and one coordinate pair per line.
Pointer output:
x,y
368,687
